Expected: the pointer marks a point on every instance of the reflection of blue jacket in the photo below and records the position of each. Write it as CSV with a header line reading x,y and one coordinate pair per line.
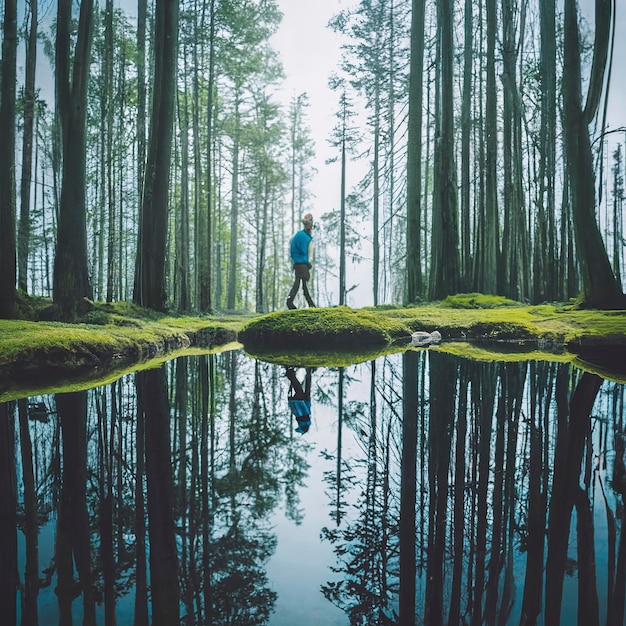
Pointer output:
x,y
300,407
300,247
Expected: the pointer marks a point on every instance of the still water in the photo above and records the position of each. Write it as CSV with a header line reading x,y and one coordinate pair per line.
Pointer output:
x,y
428,489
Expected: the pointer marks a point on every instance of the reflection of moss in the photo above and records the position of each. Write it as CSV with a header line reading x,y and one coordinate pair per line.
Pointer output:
x,y
321,358
51,379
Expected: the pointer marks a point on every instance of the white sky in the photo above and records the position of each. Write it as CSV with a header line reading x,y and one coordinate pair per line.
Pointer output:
x,y
310,53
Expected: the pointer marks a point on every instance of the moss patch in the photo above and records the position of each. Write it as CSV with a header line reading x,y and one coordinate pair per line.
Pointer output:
x,y
54,351
330,329
114,337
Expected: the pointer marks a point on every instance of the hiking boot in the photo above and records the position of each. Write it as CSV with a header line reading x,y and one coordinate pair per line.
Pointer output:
x,y
290,304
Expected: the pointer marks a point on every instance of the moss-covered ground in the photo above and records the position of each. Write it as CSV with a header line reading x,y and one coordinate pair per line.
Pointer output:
x,y
115,338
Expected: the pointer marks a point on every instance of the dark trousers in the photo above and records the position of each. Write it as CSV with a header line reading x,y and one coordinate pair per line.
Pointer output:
x,y
302,275
296,392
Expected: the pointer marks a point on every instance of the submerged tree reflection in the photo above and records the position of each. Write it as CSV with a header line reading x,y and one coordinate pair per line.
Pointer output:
x,y
457,492
480,454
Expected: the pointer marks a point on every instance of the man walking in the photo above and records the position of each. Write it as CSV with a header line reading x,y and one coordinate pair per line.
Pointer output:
x,y
301,255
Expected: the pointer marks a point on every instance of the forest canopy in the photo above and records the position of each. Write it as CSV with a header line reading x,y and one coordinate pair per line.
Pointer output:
x,y
147,155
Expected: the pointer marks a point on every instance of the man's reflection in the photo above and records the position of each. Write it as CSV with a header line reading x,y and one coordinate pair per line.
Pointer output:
x,y
299,398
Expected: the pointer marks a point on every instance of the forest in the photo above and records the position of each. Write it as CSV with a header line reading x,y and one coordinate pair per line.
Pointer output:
x,y
146,155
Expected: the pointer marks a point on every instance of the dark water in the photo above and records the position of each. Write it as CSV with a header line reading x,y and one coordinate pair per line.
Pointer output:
x,y
430,486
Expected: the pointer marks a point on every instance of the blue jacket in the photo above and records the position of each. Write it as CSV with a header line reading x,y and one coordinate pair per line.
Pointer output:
x,y
300,408
300,247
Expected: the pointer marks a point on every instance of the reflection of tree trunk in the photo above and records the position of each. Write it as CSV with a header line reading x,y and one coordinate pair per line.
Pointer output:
x,y
616,594
494,565
163,556
181,488
458,524
408,481
73,534
232,410
483,380
443,377
588,607
339,442
8,514
616,586
515,386
193,585
31,527
203,375
567,466
141,578
207,470
541,397
106,445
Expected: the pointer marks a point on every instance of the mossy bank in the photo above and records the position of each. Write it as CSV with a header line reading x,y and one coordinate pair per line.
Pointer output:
x,y
115,338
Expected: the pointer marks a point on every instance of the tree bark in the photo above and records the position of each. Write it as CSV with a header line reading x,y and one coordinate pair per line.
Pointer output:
x,y
8,80
27,150
71,277
414,286
150,274
600,287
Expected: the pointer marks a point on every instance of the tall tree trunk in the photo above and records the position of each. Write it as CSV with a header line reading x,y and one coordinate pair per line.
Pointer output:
x,y
342,199
445,268
142,10
150,275
545,271
600,288
109,185
8,79
414,287
71,276
205,235
23,239
466,131
487,252
182,222
234,210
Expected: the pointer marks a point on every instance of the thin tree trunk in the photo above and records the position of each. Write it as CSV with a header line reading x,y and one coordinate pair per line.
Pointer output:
x,y
414,287
23,240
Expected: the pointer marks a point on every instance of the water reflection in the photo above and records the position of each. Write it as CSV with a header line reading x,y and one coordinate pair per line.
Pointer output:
x,y
427,490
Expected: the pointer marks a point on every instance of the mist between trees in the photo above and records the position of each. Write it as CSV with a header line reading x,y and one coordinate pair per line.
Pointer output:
x,y
165,169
